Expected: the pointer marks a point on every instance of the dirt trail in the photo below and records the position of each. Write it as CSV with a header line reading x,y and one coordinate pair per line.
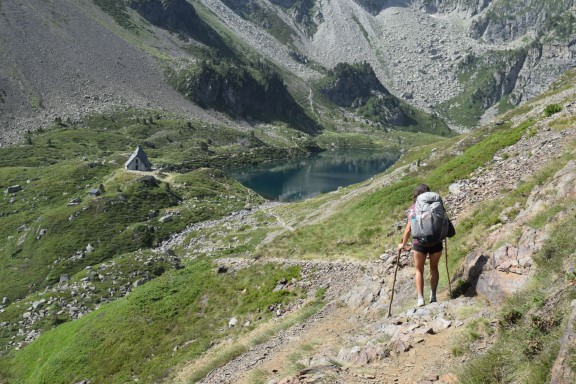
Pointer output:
x,y
318,350
315,351
427,359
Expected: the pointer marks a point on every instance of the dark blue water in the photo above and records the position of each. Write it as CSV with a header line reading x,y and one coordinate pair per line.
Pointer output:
x,y
302,179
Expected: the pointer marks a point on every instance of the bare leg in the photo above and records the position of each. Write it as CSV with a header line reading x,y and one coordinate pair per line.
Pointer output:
x,y
434,275
419,260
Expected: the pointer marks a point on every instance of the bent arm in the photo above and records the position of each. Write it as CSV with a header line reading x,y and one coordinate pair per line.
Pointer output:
x,y
405,236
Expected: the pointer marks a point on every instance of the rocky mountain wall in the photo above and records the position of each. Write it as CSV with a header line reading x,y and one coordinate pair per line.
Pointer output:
x,y
174,14
464,8
542,66
356,86
71,58
507,21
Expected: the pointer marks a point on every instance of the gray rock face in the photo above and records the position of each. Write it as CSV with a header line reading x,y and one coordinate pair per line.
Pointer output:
x,y
176,15
498,273
508,21
466,8
355,84
363,294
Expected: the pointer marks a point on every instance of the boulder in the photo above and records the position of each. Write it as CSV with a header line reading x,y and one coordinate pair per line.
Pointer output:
x,y
13,189
364,294
38,304
74,201
496,285
41,233
440,324
139,283
165,219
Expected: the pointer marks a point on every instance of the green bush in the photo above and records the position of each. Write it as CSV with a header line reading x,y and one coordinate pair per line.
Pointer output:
x,y
552,109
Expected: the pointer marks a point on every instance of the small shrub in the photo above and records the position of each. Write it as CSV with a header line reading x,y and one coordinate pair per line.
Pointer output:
x,y
510,317
552,109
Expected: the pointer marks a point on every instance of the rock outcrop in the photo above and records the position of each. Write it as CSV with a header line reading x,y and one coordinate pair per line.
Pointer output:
x,y
354,85
496,273
507,21
174,15
235,90
563,371
465,8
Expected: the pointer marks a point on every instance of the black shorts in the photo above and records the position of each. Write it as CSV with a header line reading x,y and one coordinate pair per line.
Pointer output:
x,y
435,248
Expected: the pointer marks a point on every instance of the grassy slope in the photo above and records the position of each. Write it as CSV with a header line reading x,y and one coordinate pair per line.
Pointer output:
x,y
361,228
60,164
530,323
52,173
168,321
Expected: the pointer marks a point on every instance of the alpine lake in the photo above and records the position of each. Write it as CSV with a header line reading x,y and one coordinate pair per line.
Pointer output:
x,y
301,179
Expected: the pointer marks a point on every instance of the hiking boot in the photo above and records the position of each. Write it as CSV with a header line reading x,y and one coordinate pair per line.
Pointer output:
x,y
420,302
432,298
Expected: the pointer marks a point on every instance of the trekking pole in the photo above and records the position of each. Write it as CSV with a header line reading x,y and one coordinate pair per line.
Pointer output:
x,y
394,283
447,272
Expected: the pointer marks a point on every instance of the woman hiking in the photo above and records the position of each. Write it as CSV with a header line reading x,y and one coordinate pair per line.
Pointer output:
x,y
433,251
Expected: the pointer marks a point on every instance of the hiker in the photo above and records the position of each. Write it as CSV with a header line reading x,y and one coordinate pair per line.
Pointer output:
x,y
433,251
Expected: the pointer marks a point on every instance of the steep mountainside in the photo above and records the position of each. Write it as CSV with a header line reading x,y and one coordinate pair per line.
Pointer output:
x,y
72,58
67,59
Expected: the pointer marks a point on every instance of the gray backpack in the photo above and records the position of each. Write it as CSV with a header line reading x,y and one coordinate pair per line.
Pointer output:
x,y
430,223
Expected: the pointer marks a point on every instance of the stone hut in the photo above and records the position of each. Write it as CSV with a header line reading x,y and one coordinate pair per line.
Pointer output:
x,y
138,161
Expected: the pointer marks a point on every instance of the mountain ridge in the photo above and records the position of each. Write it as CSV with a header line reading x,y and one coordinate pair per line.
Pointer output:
x,y
425,75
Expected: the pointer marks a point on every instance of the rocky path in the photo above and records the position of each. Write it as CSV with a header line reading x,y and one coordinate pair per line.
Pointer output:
x,y
351,340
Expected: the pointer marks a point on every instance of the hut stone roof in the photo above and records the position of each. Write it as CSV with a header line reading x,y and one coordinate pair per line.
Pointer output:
x,y
141,155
